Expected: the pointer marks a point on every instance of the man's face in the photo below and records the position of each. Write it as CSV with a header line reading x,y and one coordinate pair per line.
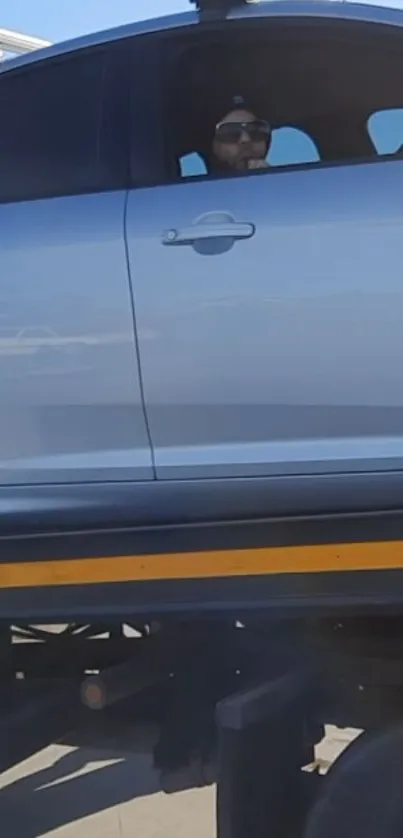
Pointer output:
x,y
234,145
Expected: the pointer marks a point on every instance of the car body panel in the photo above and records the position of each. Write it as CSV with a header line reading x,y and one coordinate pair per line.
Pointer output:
x,y
282,354
71,407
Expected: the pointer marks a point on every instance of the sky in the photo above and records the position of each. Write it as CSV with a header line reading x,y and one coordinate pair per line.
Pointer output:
x,y
56,20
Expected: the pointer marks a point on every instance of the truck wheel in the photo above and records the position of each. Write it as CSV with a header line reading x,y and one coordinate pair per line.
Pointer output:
x,y
362,793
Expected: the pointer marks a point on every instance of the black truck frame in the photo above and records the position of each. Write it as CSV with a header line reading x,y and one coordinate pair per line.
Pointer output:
x,y
240,698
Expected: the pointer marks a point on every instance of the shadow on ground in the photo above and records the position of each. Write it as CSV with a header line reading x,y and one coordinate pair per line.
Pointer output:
x,y
102,771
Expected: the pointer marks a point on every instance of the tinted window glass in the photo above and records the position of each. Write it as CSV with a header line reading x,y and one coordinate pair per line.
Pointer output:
x,y
50,120
386,130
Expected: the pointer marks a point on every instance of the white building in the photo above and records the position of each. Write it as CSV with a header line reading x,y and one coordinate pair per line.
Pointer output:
x,y
15,43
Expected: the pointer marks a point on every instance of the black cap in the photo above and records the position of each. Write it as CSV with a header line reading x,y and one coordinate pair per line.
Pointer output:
x,y
234,103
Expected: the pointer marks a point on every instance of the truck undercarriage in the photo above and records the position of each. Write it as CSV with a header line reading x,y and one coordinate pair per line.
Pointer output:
x,y
240,643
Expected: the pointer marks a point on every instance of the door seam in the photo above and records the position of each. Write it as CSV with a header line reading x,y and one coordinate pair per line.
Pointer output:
x,y
136,340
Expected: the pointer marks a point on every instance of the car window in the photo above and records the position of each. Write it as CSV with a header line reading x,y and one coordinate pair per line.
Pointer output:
x,y
319,99
386,130
50,117
289,146
192,165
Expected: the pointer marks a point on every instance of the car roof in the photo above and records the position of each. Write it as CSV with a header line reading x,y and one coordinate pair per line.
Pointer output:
x,y
159,24
336,9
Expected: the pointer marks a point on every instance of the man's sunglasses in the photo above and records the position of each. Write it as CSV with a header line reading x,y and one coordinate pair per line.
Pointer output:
x,y
231,132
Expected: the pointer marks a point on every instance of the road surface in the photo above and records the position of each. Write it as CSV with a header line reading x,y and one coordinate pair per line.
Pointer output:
x,y
76,790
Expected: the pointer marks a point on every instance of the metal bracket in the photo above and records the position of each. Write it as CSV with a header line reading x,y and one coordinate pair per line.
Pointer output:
x,y
264,740
212,10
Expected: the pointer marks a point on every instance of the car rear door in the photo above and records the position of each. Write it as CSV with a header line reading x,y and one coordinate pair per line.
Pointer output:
x,y
268,310
71,407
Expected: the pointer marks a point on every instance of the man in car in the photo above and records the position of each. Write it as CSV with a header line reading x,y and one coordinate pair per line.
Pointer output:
x,y
241,141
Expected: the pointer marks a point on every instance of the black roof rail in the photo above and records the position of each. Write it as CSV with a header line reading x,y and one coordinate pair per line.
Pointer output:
x,y
216,9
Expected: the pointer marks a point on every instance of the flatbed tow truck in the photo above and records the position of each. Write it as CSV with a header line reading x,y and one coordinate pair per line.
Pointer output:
x,y
239,636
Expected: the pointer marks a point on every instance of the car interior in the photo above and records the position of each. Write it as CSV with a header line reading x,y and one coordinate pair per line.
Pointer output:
x,y
316,83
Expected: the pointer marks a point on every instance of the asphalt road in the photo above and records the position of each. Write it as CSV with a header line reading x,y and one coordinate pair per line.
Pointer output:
x,y
74,789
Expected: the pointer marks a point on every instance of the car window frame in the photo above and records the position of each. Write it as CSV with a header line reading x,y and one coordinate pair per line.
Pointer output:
x,y
166,42
113,169
147,150
380,112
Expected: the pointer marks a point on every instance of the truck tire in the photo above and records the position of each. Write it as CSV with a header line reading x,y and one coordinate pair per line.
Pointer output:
x,y
362,794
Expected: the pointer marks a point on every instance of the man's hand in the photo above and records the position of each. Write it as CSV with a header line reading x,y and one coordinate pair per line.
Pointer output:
x,y
258,164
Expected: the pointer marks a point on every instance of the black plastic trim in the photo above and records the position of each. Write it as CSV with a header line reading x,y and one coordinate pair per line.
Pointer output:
x,y
46,509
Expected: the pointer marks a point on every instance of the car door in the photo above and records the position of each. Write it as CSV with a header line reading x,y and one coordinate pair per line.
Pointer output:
x,y
268,311
71,408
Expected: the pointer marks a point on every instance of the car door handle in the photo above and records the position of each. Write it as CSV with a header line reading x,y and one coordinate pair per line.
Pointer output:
x,y
204,232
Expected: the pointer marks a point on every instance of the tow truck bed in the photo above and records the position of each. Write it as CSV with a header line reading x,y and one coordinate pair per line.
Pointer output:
x,y
109,551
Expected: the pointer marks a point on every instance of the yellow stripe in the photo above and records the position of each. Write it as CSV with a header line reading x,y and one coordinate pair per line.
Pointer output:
x,y
318,558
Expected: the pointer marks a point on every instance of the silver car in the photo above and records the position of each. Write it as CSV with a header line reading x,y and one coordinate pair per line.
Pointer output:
x,y
195,368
